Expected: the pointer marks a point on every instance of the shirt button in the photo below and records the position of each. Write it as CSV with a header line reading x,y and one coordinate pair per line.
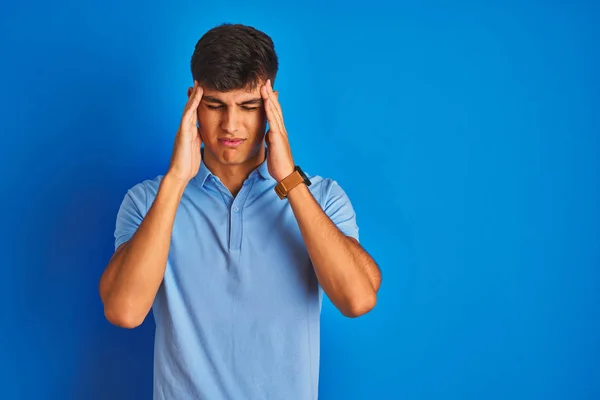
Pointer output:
x,y
236,209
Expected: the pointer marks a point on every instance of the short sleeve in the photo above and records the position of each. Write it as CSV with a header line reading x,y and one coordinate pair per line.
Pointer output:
x,y
339,209
130,214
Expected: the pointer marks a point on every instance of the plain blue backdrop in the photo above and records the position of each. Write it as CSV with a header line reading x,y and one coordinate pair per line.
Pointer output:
x,y
466,135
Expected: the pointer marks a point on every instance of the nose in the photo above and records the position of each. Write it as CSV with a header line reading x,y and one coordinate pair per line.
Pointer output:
x,y
230,121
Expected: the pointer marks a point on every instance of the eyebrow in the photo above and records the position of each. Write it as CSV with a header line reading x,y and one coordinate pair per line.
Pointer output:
x,y
211,99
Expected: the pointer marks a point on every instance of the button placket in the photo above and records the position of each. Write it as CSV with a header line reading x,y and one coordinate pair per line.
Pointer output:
x,y
235,217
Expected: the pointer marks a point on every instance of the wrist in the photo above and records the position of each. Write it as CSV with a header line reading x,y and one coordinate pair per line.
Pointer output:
x,y
298,191
173,184
296,178
284,175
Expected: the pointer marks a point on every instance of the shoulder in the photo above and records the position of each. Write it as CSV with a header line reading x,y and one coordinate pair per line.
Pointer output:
x,y
150,184
335,203
145,191
325,188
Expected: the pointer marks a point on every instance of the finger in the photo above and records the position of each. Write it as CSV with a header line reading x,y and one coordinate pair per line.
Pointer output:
x,y
272,112
196,97
270,117
189,104
200,93
196,103
277,117
191,108
276,107
275,100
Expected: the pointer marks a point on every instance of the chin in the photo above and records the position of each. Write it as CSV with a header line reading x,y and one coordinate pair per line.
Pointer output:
x,y
233,160
234,155
231,156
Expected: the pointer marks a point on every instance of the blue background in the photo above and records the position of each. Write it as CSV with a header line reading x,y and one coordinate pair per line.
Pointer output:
x,y
466,136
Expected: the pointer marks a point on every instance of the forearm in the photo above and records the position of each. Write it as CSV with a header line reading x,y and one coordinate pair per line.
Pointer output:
x,y
366,263
337,262
134,274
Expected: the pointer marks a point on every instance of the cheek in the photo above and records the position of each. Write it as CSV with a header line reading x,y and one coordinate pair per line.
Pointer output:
x,y
257,121
206,120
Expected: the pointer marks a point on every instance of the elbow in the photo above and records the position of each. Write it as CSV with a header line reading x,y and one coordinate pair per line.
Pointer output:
x,y
123,317
377,284
356,308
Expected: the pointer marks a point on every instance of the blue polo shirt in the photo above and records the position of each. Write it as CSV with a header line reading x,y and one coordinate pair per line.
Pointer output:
x,y
237,314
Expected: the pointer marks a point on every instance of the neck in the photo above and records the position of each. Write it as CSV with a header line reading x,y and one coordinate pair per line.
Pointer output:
x,y
233,176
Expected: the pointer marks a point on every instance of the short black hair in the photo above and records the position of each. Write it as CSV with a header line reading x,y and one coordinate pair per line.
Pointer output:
x,y
234,56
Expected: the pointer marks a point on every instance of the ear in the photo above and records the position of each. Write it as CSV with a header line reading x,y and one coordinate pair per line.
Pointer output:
x,y
189,91
276,93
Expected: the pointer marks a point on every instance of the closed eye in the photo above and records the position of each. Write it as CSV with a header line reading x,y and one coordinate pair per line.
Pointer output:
x,y
243,108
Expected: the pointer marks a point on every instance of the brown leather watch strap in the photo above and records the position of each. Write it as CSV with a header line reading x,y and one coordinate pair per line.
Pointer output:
x,y
288,183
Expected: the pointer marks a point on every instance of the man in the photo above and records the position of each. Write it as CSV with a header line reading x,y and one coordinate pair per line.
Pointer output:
x,y
234,245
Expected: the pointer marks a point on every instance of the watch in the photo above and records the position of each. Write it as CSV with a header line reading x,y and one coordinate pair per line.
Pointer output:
x,y
291,181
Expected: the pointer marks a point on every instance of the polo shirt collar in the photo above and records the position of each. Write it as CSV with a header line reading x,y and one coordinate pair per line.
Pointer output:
x,y
263,168
203,173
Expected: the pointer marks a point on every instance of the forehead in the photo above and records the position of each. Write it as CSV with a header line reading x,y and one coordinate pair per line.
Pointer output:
x,y
234,96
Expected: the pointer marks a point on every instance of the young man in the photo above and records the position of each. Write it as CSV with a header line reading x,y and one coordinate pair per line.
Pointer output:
x,y
234,245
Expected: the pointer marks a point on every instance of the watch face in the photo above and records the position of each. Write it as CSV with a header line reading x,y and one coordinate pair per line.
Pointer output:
x,y
303,175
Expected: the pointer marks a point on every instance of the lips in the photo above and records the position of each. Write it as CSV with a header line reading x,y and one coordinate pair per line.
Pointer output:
x,y
231,142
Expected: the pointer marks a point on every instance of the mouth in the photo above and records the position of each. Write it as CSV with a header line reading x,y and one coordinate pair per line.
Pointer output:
x,y
233,142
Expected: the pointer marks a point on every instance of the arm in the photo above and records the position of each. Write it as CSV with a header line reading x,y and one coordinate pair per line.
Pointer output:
x,y
348,275
134,273
129,284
